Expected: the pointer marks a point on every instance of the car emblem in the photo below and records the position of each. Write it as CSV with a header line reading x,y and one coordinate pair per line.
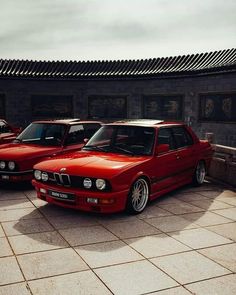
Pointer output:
x,y
62,169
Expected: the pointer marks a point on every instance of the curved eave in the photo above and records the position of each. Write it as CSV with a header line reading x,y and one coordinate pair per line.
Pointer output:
x,y
187,65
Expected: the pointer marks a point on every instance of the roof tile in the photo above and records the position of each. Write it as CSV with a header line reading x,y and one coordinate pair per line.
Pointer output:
x,y
223,60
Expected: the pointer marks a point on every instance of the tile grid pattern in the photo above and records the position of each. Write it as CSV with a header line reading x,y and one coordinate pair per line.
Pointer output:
x,y
178,244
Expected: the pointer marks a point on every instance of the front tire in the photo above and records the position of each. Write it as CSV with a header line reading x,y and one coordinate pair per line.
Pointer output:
x,y
138,196
199,174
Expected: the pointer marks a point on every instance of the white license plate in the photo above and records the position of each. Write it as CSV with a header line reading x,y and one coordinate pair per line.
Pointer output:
x,y
62,196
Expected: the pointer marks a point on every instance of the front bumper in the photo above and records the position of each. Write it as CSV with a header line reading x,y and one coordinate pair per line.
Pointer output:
x,y
8,176
112,201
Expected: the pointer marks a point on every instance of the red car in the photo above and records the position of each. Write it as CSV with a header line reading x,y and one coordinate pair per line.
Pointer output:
x,y
39,141
7,132
123,166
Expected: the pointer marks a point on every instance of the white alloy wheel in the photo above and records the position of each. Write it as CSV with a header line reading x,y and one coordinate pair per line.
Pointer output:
x,y
138,196
200,173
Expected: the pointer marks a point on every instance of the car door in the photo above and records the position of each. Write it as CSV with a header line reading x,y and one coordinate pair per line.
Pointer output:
x,y
185,152
165,169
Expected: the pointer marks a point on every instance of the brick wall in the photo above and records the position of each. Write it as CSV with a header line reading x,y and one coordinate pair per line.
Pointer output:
x,y
19,111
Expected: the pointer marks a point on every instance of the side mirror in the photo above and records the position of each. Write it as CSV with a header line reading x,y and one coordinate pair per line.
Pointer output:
x,y
162,148
86,140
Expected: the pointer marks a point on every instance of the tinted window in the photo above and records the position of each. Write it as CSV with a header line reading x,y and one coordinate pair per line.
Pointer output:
x,y
123,139
43,134
76,134
182,137
90,129
165,136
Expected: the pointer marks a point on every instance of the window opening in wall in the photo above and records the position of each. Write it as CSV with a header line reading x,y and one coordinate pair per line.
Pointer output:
x,y
100,107
51,106
163,107
2,105
218,107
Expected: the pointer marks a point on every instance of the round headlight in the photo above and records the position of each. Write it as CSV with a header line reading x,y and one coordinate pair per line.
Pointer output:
x,y
100,184
87,183
37,174
11,165
44,176
2,165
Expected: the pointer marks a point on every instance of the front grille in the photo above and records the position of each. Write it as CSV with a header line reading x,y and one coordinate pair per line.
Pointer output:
x,y
60,179
57,178
65,178
73,181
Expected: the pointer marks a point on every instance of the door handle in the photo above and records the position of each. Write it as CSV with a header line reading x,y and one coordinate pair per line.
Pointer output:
x,y
177,157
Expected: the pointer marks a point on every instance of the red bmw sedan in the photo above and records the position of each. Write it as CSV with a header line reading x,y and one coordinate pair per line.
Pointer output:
x,y
123,166
7,132
39,141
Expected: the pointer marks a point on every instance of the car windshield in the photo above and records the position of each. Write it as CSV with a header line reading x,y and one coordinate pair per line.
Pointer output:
x,y
43,134
133,140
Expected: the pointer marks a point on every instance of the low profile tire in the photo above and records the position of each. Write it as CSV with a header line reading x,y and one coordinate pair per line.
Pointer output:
x,y
199,174
138,196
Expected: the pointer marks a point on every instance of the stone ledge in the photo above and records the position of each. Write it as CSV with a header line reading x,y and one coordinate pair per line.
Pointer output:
x,y
223,164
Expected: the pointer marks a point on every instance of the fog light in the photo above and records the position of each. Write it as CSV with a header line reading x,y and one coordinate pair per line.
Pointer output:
x,y
43,190
92,200
106,201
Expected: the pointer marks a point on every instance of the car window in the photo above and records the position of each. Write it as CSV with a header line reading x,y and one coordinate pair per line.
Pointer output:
x,y
165,136
182,137
43,134
90,129
75,135
135,140
139,140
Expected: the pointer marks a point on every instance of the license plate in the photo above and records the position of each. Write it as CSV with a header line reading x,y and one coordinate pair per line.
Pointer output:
x,y
62,196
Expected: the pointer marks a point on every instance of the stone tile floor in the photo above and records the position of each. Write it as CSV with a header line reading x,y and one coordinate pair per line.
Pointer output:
x,y
183,243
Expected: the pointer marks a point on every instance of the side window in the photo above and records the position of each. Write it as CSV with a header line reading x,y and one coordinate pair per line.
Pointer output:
x,y
90,129
75,135
165,137
182,137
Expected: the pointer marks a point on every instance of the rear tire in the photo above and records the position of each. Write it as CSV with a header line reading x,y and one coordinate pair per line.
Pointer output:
x,y
199,174
138,196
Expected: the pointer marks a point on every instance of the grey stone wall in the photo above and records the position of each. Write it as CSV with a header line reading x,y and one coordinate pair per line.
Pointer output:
x,y
19,110
223,164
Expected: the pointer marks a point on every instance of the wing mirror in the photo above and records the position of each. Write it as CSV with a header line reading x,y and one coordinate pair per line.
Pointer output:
x,y
162,148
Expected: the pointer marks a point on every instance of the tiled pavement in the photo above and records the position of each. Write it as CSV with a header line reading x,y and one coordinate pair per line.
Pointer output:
x,y
183,243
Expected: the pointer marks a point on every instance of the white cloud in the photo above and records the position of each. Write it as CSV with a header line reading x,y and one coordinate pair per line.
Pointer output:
x,y
111,29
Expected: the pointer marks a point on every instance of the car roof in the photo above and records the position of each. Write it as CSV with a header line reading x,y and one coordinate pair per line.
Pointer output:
x,y
67,121
145,122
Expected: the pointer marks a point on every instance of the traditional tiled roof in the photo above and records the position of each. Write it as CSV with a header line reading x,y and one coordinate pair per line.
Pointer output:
x,y
211,62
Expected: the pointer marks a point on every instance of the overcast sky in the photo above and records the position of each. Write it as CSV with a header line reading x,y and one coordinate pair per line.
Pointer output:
x,y
114,29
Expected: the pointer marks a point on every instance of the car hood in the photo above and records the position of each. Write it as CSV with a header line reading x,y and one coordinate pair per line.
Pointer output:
x,y
19,151
6,136
91,164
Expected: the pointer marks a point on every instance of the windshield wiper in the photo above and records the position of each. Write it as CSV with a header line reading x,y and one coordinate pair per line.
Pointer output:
x,y
122,150
95,148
